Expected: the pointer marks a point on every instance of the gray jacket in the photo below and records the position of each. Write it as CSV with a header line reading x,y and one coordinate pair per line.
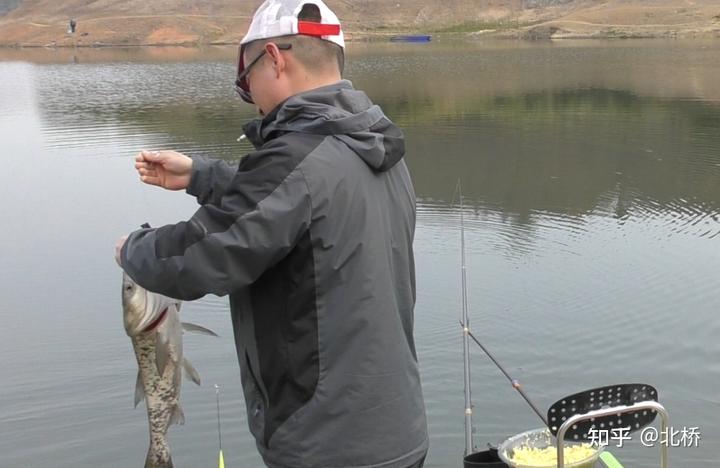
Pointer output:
x,y
311,237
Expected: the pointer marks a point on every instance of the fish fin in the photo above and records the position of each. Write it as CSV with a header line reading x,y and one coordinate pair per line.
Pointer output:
x,y
162,355
190,372
139,390
194,328
177,416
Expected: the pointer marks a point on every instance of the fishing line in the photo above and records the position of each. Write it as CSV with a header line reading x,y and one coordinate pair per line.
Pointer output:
x,y
144,196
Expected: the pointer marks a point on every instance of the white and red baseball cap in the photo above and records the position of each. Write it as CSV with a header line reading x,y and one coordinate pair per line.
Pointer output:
x,y
276,18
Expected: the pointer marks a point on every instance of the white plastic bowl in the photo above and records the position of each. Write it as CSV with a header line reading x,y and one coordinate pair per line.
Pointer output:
x,y
541,438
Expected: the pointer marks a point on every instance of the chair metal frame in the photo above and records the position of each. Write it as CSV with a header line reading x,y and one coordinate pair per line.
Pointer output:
x,y
616,410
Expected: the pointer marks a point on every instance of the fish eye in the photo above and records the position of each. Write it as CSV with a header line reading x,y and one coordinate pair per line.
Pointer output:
x,y
128,287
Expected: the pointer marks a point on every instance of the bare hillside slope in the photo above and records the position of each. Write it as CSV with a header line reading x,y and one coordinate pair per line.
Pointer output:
x,y
139,22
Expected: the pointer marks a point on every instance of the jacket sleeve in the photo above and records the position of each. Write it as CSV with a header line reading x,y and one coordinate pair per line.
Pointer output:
x,y
223,247
210,178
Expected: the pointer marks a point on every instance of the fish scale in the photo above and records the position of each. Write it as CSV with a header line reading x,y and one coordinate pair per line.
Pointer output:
x,y
161,397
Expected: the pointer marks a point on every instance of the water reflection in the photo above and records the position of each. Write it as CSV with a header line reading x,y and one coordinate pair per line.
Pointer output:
x,y
523,141
575,153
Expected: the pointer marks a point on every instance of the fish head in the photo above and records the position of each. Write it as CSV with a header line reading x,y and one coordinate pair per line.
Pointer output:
x,y
143,310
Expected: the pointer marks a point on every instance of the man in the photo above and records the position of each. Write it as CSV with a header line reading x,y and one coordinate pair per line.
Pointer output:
x,y
311,237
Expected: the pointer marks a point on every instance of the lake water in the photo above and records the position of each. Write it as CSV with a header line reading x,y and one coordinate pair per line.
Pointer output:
x,y
591,172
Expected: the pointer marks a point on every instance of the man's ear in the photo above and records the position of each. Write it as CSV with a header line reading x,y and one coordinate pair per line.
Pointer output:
x,y
278,60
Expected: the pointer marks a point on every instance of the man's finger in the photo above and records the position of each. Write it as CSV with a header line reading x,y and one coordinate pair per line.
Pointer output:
x,y
152,180
151,156
147,172
139,157
147,156
146,165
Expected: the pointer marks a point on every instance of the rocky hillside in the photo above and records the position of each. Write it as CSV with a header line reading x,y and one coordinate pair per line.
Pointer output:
x,y
143,22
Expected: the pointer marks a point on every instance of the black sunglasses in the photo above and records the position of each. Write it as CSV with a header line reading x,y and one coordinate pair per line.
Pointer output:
x,y
241,84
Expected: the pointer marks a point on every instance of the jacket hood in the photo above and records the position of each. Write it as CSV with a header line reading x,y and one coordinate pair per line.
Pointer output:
x,y
339,110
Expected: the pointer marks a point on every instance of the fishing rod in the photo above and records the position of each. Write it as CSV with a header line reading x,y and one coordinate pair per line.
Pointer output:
x,y
466,331
221,460
514,382
465,324
629,399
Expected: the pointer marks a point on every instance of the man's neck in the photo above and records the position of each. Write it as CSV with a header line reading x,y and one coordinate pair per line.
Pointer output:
x,y
305,84
308,83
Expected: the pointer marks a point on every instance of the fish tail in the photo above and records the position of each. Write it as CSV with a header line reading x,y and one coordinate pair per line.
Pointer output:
x,y
150,463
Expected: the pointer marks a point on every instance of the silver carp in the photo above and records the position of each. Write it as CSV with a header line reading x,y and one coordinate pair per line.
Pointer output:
x,y
152,321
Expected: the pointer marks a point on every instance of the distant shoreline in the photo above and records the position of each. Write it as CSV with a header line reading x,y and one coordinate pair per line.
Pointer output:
x,y
139,23
520,35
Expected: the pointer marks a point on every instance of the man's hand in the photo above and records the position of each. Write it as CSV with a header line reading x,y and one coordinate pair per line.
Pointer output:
x,y
168,169
118,248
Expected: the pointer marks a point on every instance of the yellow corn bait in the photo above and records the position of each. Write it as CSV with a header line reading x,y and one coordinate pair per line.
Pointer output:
x,y
530,456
